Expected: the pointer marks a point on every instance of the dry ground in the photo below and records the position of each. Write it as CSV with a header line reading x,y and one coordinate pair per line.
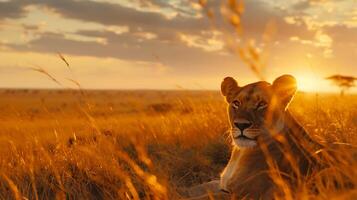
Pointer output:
x,y
79,145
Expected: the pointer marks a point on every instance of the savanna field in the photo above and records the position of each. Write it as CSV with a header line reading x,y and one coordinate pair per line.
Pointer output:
x,y
67,144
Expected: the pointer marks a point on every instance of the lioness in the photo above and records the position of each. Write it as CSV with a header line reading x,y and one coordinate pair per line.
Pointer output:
x,y
265,137
271,152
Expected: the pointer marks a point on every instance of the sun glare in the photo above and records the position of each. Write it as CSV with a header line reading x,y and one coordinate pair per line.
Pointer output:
x,y
309,83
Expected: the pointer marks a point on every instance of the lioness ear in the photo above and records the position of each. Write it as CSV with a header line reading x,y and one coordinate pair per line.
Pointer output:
x,y
229,88
285,88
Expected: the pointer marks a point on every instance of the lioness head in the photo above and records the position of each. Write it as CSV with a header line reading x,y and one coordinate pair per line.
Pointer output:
x,y
256,111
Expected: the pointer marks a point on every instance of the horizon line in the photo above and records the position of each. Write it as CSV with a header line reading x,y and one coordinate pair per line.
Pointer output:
x,y
147,89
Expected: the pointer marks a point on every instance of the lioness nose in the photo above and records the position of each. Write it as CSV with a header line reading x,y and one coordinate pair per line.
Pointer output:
x,y
243,126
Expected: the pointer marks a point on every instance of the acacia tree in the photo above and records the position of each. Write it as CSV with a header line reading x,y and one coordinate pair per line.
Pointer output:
x,y
343,82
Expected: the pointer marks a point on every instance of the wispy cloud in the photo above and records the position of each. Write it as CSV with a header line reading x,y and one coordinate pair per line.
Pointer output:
x,y
176,32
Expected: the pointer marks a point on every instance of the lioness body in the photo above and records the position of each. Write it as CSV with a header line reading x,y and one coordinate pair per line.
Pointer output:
x,y
242,177
265,136
246,173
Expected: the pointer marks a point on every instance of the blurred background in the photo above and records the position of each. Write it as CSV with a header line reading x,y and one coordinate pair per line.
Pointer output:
x,y
170,44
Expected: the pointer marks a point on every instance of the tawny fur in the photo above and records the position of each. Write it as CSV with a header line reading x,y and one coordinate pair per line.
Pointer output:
x,y
282,144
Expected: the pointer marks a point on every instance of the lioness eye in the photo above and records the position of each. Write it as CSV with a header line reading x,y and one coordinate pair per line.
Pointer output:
x,y
262,105
235,104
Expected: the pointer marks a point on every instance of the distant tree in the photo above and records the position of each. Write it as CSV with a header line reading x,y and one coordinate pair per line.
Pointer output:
x,y
343,82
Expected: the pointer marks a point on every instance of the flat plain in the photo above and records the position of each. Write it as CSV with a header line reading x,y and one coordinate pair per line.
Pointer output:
x,y
92,144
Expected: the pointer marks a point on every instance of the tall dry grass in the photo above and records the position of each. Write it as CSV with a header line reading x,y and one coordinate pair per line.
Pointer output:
x,y
143,144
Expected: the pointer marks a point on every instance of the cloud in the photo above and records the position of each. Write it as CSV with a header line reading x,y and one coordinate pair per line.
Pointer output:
x,y
183,41
341,33
257,15
344,48
107,13
182,7
175,55
12,9
211,42
302,5
116,14
29,27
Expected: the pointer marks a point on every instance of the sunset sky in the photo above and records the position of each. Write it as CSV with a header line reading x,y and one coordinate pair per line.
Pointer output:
x,y
171,44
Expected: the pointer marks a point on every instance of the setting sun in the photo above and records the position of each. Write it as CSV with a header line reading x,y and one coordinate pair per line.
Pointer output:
x,y
310,83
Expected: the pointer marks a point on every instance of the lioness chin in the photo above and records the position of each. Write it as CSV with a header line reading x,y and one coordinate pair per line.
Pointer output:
x,y
266,139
